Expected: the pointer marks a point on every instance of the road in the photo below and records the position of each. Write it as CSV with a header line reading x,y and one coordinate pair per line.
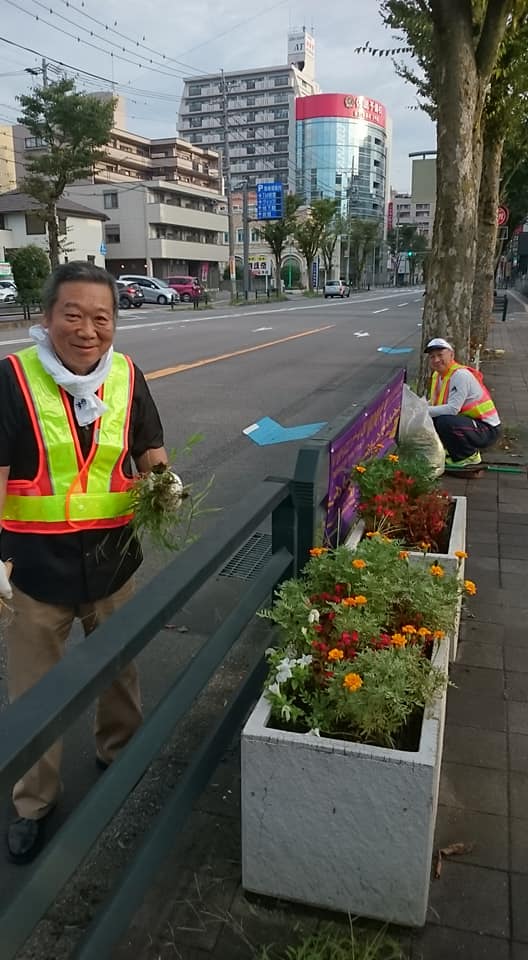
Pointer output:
x,y
216,372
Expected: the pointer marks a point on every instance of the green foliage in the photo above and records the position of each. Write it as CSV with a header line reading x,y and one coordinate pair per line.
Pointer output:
x,y
379,472
330,943
357,641
277,233
74,127
309,232
31,267
360,238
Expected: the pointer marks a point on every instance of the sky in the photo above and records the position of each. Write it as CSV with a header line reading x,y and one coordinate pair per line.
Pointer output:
x,y
146,54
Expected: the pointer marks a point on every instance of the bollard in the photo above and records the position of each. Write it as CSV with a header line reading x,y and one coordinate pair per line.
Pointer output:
x,y
505,308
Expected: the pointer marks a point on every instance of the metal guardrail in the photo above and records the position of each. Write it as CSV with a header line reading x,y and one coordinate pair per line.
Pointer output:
x,y
38,717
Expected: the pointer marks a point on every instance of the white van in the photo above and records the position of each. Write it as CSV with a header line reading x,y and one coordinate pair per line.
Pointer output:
x,y
154,290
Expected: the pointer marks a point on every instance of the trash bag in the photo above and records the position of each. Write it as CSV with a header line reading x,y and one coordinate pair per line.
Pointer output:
x,y
417,431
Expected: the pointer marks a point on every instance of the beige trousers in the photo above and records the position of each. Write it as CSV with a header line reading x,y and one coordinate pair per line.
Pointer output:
x,y
36,640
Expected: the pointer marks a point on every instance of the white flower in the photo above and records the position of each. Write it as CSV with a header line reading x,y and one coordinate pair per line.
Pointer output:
x,y
274,688
313,733
286,712
304,660
313,616
284,671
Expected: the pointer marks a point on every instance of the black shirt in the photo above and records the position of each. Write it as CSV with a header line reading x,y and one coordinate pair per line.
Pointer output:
x,y
70,568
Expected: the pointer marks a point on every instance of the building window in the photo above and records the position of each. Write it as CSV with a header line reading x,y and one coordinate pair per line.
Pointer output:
x,y
281,81
250,85
377,163
34,143
255,236
110,201
90,258
195,90
280,97
377,141
250,149
2,222
375,185
240,236
280,114
195,122
251,101
113,234
195,106
62,226
34,224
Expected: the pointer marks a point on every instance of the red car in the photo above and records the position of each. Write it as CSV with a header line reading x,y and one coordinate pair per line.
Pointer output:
x,y
189,288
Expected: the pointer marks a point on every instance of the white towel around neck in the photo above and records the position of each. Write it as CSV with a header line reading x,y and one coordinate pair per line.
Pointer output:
x,y
87,405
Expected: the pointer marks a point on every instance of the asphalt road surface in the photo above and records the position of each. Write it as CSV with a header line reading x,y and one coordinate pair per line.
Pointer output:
x,y
216,372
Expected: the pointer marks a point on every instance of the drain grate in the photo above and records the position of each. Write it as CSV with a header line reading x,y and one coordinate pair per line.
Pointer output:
x,y
250,559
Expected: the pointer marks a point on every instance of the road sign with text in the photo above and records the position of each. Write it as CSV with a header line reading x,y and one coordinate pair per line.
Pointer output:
x,y
270,200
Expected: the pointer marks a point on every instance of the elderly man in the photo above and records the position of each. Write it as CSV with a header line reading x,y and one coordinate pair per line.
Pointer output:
x,y
463,412
76,417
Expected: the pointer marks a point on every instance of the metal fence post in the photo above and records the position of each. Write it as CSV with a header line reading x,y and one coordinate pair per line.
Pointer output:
x,y
505,308
283,533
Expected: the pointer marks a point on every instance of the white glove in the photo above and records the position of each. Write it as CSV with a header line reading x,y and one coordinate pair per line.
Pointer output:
x,y
6,592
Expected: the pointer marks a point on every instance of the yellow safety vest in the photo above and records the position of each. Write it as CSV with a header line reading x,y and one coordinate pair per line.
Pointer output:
x,y
482,409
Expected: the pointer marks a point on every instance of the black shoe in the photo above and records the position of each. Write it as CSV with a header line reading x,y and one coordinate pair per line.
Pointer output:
x,y
25,838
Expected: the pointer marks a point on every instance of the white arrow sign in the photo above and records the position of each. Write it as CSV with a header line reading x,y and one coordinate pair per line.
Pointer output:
x,y
361,333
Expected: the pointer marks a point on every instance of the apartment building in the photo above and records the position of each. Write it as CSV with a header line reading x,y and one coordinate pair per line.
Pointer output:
x,y
418,207
260,112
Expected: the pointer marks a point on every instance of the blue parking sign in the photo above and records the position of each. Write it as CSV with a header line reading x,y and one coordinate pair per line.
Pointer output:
x,y
270,200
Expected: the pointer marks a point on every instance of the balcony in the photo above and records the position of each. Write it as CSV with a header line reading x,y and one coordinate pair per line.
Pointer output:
x,y
176,216
184,250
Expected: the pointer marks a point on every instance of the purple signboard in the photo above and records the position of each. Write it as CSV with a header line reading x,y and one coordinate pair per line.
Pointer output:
x,y
370,434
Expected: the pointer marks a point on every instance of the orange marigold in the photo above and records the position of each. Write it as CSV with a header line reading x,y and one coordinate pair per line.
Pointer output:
x,y
318,551
373,533
360,600
436,570
398,640
403,555
470,587
360,469
408,628
352,682
424,546
461,554
348,602
424,632
359,564
393,458
439,634
335,654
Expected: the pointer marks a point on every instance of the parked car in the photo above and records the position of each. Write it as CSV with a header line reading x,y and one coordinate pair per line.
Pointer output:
x,y
154,290
130,294
336,288
188,288
8,291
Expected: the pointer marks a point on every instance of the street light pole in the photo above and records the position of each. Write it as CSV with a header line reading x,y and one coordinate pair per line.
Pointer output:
x,y
245,235
229,191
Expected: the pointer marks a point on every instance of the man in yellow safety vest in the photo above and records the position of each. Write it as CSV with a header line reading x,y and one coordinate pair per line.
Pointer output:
x,y
463,412
76,419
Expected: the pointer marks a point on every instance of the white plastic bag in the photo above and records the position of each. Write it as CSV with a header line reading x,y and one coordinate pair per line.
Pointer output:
x,y
417,428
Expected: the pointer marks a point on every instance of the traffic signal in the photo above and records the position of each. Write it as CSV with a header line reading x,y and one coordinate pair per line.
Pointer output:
x,y
409,253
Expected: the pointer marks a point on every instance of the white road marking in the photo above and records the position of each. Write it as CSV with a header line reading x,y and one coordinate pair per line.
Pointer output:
x,y
361,333
406,304
383,310
252,427
259,329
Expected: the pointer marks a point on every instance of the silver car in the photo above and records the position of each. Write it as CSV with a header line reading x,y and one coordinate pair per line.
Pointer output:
x,y
8,291
154,290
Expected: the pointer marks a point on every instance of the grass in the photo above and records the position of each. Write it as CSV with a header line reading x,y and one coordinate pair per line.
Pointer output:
x,y
330,943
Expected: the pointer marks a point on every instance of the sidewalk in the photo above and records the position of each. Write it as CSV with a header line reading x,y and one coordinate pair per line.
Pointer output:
x,y
479,906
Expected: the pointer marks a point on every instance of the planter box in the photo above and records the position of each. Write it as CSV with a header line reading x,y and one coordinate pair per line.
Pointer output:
x,y
451,564
339,825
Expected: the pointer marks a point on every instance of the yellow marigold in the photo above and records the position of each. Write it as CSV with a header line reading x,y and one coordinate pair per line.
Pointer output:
x,y
393,458
438,634
318,551
335,654
352,682
470,587
359,564
461,554
408,628
436,570
360,469
398,640
360,600
403,555
373,533
424,545
348,602
424,632
387,539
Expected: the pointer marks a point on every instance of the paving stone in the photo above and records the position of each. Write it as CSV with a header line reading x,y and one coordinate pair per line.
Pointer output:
x,y
516,657
513,517
476,539
474,788
478,679
519,901
519,951
519,845
506,597
445,943
479,562
510,536
476,653
517,687
509,552
487,834
480,748
487,713
483,631
518,717
519,795
518,752
471,899
491,612
514,566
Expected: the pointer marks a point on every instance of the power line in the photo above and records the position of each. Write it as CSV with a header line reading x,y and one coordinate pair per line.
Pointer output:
x,y
241,23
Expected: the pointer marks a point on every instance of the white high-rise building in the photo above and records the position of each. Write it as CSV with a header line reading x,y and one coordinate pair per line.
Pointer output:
x,y
260,111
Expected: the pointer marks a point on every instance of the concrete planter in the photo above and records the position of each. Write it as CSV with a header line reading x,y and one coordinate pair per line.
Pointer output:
x,y
451,563
341,825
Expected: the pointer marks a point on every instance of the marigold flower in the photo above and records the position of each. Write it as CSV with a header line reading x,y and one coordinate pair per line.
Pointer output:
x,y
461,554
352,682
424,546
360,469
373,533
348,602
360,599
388,539
393,458
436,570
438,634
318,551
408,628
403,555
470,587
424,632
359,564
398,640
335,654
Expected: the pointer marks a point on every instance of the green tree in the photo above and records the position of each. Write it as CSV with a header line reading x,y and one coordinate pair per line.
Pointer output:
x,y
405,240
31,267
277,233
74,126
457,44
360,238
309,231
332,233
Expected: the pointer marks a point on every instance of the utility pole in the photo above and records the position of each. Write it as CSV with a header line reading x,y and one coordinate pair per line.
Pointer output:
x,y
229,191
397,267
245,225
44,73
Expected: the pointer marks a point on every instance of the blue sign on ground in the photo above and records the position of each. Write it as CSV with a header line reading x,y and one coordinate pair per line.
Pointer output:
x,y
267,431
270,200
